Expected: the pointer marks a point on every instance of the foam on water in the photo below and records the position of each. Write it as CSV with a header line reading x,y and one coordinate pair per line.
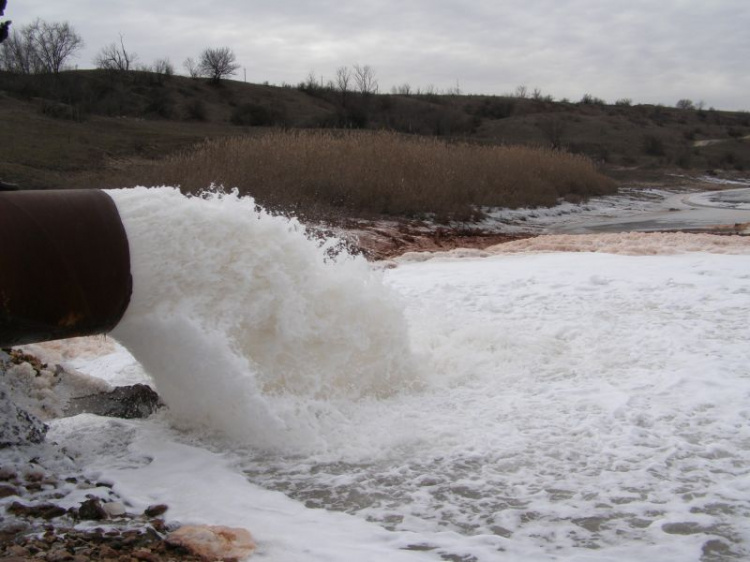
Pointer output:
x,y
585,404
246,324
571,406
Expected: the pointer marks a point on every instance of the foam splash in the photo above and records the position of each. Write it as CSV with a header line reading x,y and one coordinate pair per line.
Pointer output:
x,y
243,321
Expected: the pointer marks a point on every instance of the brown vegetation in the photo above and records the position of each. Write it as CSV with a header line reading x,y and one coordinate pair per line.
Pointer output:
x,y
377,173
96,128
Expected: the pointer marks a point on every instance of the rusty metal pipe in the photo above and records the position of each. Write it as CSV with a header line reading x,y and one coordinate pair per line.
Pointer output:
x,y
64,265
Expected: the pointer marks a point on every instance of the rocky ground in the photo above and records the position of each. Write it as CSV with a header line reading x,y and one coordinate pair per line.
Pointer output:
x,y
50,509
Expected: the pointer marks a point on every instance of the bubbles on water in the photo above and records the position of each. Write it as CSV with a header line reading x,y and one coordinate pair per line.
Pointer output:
x,y
233,308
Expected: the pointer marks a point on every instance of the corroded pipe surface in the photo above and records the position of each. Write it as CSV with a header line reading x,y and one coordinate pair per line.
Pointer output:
x,y
64,265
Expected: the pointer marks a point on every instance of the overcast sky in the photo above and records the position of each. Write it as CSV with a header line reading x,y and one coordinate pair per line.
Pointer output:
x,y
652,51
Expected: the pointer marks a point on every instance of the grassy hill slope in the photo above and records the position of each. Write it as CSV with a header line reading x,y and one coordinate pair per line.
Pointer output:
x,y
88,128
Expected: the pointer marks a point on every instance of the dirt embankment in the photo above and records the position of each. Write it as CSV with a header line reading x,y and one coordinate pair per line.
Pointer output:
x,y
389,239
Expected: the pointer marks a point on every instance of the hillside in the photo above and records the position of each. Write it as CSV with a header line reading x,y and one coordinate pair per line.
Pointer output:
x,y
79,128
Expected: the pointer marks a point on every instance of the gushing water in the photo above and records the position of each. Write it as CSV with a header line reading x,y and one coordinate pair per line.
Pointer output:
x,y
245,323
572,406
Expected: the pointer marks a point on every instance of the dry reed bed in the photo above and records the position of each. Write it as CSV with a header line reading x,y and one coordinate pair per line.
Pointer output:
x,y
379,173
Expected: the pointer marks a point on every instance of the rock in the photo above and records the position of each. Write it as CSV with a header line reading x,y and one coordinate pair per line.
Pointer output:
x,y
128,402
213,542
145,555
17,426
34,476
58,555
107,552
15,550
6,490
114,509
92,510
155,510
13,528
6,474
43,511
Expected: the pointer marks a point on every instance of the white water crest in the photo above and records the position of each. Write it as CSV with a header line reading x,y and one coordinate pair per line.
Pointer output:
x,y
249,327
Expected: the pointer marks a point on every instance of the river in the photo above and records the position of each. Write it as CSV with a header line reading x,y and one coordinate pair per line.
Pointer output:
x,y
638,209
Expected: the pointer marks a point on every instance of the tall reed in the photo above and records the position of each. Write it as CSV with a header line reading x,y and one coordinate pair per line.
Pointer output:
x,y
378,173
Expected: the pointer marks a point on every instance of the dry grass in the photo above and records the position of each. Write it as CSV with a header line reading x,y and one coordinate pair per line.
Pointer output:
x,y
377,173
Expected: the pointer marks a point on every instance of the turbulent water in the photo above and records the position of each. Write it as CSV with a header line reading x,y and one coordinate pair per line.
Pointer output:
x,y
537,407
248,327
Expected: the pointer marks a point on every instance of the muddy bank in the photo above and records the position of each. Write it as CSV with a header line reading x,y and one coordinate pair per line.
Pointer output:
x,y
706,205
389,239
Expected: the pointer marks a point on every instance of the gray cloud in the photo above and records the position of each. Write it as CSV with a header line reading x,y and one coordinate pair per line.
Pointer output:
x,y
652,52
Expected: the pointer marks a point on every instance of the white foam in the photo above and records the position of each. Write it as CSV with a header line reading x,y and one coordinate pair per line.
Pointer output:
x,y
244,322
577,407
573,406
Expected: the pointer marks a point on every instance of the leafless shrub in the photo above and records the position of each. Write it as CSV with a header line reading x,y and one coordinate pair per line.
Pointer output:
x,y
402,90
191,67
588,99
653,145
164,67
554,129
115,57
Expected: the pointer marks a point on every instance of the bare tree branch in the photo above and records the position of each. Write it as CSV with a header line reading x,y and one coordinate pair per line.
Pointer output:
x,y
218,63
191,67
364,78
39,47
54,44
113,57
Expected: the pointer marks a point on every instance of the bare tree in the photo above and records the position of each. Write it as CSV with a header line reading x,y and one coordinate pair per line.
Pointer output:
x,y
521,91
685,104
403,89
40,47
17,53
191,67
364,78
343,79
343,82
312,82
114,57
454,91
218,63
163,66
54,44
